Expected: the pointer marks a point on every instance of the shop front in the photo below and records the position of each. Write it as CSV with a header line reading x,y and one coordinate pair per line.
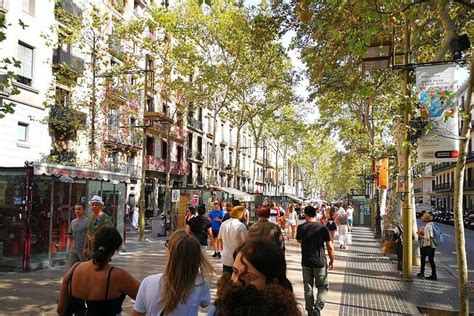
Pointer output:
x,y
36,208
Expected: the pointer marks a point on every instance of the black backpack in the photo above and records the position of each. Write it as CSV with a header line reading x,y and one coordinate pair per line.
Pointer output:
x,y
331,225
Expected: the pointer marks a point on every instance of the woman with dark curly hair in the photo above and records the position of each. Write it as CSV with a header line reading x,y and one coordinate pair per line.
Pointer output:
x,y
258,284
94,287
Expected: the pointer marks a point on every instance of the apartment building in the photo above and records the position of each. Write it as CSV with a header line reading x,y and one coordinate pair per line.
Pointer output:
x,y
423,183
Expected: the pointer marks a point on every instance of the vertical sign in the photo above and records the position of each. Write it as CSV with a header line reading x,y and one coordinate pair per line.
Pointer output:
x,y
174,195
436,90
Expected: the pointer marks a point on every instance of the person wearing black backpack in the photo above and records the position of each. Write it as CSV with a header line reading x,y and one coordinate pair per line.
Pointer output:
x,y
428,248
398,239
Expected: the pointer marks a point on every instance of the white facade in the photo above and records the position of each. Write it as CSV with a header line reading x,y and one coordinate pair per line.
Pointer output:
x,y
24,134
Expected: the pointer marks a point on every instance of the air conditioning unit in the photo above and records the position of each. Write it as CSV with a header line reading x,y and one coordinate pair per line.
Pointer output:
x,y
5,86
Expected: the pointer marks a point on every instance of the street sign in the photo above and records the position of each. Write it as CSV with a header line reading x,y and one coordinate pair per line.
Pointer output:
x,y
174,195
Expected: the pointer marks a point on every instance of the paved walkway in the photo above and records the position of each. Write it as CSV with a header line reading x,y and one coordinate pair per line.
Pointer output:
x,y
363,282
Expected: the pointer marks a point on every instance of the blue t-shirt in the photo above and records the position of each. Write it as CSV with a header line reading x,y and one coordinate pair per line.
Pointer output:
x,y
216,225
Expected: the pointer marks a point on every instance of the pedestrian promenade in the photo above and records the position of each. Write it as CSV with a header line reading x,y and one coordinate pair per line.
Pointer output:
x,y
364,282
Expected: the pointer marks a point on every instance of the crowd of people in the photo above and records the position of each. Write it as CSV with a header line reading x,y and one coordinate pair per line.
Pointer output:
x,y
252,255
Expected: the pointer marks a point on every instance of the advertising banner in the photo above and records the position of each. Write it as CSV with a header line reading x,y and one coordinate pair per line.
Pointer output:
x,y
436,89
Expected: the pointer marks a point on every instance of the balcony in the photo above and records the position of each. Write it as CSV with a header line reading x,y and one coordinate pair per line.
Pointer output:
x,y
417,190
65,157
179,167
116,47
198,156
195,124
445,187
244,173
159,164
442,166
117,92
69,7
67,60
132,170
123,137
155,164
177,133
65,121
152,113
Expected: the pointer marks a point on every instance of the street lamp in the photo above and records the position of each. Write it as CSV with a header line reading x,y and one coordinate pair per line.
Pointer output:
x,y
378,217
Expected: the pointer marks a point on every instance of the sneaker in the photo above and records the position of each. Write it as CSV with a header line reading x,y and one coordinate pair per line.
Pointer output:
x,y
214,255
432,277
420,275
219,255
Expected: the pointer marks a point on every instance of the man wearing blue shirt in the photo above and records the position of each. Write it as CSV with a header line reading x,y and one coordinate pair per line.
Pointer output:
x,y
216,216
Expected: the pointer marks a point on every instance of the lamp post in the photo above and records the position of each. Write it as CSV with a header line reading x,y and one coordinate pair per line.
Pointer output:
x,y
378,217
381,56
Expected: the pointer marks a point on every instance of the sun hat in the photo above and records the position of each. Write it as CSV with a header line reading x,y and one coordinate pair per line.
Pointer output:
x,y
237,212
96,199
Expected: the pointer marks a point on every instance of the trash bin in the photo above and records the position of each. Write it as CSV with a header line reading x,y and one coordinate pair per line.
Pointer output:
x,y
157,227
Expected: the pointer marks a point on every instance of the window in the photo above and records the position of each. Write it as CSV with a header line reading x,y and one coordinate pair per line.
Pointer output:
x,y
22,132
113,157
63,97
150,146
164,149
113,118
180,154
25,56
29,6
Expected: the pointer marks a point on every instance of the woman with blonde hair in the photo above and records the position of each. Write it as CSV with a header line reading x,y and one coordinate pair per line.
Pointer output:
x,y
182,288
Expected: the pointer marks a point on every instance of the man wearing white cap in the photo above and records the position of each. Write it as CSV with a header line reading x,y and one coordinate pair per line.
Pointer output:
x,y
98,219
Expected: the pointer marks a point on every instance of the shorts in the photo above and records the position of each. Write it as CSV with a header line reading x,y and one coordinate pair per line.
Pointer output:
x,y
349,221
215,233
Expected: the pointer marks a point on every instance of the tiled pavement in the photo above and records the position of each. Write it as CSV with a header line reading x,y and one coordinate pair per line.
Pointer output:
x,y
363,282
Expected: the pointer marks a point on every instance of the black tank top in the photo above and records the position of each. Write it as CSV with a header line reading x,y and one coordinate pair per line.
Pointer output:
x,y
106,306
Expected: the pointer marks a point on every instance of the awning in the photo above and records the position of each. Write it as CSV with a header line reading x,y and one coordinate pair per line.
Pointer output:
x,y
294,197
237,194
79,173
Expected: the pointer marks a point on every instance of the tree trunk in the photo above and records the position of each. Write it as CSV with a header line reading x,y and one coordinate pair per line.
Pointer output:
x,y
166,198
213,149
276,167
237,160
458,195
93,103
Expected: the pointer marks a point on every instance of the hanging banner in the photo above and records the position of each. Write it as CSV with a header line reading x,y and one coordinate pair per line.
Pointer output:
x,y
436,89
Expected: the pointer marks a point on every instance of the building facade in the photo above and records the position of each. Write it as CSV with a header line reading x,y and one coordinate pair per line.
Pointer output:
x,y
79,131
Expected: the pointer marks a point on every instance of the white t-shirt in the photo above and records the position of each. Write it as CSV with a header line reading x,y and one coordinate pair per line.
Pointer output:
x,y
149,293
233,233
349,212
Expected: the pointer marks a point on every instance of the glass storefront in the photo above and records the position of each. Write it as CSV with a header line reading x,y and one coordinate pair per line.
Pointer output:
x,y
12,216
53,199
